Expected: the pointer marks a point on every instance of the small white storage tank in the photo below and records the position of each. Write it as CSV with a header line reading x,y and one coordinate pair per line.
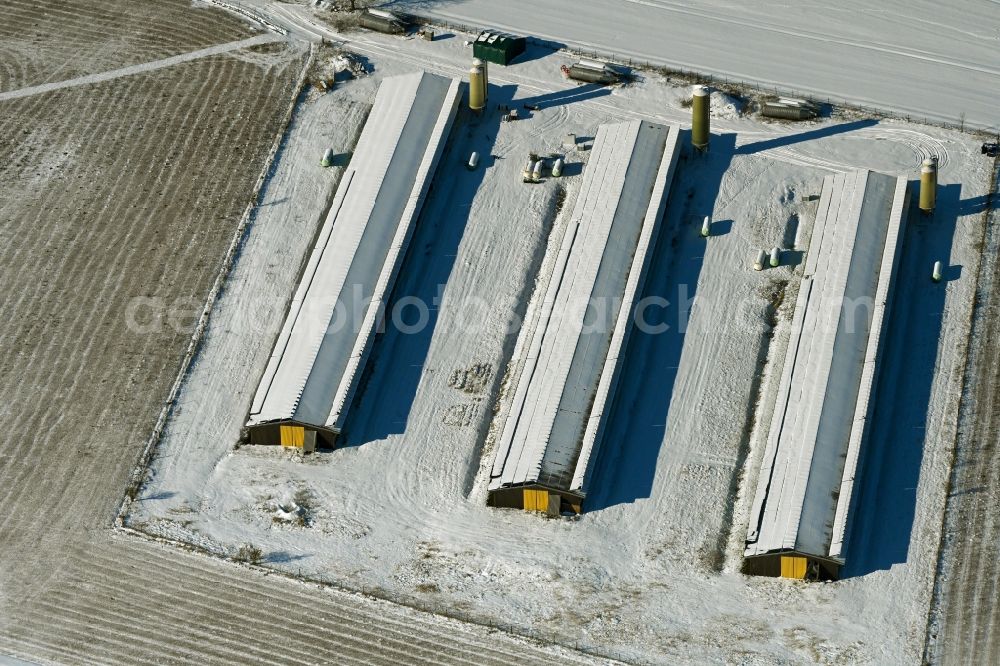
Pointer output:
x,y
758,264
775,257
529,168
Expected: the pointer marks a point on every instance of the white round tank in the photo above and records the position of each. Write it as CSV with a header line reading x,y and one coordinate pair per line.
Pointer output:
x,y
529,167
593,64
758,265
938,272
706,227
775,257
473,161
557,168
536,171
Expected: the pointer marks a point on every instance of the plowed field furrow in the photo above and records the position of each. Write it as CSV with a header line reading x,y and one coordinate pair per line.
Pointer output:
x,y
111,236
55,41
349,634
969,613
334,618
298,600
36,318
165,606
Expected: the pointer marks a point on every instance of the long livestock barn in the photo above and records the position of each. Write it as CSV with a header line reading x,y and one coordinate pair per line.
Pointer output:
x,y
803,502
570,363
321,351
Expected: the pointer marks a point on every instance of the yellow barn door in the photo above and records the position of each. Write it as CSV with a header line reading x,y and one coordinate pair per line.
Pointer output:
x,y
293,436
793,567
536,500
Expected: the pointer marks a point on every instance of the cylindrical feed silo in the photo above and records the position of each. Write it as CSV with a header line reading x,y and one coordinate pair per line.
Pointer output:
x,y
477,89
928,185
700,125
485,69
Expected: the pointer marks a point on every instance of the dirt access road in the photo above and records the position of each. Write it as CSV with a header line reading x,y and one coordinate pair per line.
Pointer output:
x,y
109,191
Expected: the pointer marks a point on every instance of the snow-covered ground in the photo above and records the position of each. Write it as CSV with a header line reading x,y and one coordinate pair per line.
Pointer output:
x,y
651,571
928,59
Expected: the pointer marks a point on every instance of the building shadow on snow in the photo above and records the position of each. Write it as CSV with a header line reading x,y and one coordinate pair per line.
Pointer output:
x,y
579,93
792,139
537,49
626,464
974,205
383,403
884,502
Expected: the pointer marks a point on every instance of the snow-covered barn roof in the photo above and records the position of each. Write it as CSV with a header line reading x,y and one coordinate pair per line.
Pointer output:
x,y
571,366
320,352
804,491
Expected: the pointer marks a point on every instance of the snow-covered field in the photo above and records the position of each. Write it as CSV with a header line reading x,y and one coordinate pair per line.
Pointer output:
x,y
651,571
927,59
